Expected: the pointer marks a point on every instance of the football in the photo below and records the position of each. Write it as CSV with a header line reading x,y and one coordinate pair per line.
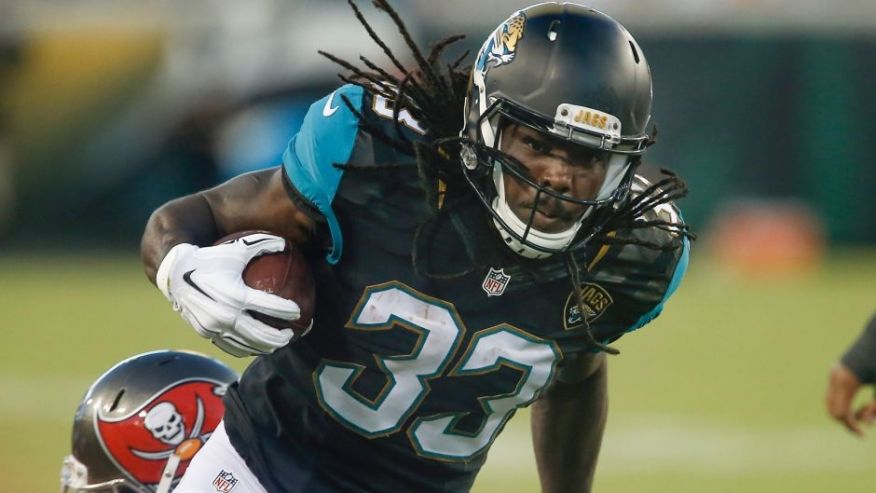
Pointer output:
x,y
286,274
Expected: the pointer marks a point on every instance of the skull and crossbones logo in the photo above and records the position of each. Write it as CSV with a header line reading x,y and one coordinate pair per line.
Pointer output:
x,y
166,423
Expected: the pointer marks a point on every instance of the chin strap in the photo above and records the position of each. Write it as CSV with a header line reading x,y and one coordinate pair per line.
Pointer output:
x,y
168,474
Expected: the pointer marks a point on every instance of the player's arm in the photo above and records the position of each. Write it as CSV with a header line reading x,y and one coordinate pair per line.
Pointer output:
x,y
857,367
567,425
204,282
253,201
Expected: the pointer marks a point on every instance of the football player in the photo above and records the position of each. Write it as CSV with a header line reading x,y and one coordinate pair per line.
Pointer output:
x,y
140,423
478,235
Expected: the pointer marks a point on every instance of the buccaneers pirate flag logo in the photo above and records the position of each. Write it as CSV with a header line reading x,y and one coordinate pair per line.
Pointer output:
x,y
155,442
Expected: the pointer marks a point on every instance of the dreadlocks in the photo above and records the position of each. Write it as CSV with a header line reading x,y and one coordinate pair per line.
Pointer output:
x,y
434,94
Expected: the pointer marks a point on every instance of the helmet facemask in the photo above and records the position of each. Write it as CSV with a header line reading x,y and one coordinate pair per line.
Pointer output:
x,y
486,167
74,479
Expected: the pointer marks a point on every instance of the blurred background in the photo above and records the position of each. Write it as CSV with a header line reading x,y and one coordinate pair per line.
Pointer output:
x,y
110,108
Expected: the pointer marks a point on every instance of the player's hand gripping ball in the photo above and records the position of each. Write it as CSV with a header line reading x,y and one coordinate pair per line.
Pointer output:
x,y
241,316
286,274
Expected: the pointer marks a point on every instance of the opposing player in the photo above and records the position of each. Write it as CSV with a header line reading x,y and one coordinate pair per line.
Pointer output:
x,y
856,369
478,237
140,423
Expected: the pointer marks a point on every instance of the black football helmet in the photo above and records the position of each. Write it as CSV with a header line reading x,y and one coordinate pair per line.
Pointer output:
x,y
142,421
569,72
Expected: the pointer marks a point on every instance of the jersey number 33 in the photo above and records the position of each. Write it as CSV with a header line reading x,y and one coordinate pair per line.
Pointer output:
x,y
439,331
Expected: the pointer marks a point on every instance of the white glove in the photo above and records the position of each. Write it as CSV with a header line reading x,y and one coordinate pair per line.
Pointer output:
x,y
206,287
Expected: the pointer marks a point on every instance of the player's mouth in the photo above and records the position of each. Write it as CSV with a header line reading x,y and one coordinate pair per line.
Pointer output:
x,y
547,218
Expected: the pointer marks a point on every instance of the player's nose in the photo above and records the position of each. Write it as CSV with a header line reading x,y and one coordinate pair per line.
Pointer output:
x,y
556,175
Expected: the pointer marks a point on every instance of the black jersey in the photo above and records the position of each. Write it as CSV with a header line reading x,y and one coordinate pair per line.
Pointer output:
x,y
406,380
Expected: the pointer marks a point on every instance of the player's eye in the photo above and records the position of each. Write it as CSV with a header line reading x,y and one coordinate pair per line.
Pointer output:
x,y
538,145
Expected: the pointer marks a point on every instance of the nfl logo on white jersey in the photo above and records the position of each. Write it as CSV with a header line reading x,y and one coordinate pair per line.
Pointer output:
x,y
224,482
496,282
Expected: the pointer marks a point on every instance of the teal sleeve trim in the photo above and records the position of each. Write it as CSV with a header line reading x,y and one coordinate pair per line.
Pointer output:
x,y
326,138
680,270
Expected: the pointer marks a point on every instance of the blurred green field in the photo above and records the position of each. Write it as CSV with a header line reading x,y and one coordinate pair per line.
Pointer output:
x,y
722,393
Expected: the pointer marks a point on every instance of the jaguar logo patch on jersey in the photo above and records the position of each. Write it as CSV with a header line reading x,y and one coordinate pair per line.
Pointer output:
x,y
596,301
496,282
165,431
501,47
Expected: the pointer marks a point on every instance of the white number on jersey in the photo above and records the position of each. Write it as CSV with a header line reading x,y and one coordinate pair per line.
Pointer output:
x,y
440,330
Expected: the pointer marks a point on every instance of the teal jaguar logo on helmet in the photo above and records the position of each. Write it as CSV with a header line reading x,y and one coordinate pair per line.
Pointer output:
x,y
501,47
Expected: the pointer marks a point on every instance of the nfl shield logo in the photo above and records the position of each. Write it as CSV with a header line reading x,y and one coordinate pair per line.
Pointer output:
x,y
496,282
224,481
